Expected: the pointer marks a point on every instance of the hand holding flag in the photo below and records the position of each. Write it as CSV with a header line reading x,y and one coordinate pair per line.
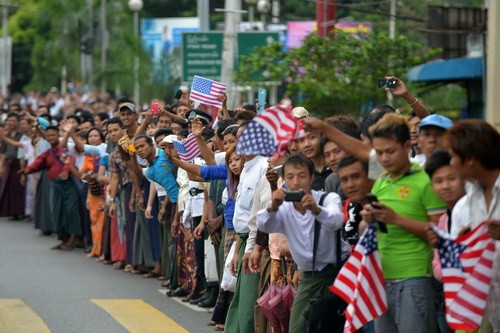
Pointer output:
x,y
361,284
270,132
207,91
467,266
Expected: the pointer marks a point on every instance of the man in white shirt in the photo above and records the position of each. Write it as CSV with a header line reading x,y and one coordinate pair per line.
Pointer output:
x,y
296,220
475,150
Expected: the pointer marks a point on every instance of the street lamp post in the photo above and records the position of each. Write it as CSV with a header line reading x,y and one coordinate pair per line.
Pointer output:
x,y
135,6
251,9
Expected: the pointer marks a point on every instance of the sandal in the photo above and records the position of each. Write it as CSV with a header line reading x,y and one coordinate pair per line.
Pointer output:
x,y
212,323
166,284
150,275
118,265
128,268
219,327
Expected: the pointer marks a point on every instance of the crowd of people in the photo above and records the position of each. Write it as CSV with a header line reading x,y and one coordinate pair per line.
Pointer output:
x,y
110,177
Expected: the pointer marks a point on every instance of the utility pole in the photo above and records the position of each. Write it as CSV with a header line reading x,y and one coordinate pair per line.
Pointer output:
x,y
232,18
6,52
392,35
325,16
493,65
88,56
104,44
203,9
5,23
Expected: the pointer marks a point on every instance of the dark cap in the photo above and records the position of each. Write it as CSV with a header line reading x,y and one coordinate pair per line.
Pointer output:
x,y
128,105
203,116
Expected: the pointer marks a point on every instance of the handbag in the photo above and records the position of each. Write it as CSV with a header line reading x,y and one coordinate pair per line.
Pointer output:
x,y
325,313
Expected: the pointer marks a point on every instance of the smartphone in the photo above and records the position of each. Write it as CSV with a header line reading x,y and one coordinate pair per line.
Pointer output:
x,y
387,83
261,100
294,196
178,94
371,198
278,169
154,108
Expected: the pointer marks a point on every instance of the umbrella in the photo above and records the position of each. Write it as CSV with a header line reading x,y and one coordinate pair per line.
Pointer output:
x,y
281,305
263,302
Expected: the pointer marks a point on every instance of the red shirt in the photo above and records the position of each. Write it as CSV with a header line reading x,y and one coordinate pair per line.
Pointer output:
x,y
50,160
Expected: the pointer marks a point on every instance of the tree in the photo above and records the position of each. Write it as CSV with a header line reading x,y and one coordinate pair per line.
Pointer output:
x,y
337,73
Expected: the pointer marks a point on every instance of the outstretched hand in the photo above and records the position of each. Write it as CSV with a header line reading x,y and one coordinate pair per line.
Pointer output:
x,y
401,88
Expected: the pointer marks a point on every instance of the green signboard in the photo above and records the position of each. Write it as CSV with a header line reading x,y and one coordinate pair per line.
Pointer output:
x,y
248,41
201,55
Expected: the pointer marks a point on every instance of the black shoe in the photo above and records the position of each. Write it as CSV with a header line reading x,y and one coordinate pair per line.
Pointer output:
x,y
200,299
210,301
179,292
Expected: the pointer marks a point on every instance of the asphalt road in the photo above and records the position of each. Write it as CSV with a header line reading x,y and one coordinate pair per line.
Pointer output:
x,y
69,292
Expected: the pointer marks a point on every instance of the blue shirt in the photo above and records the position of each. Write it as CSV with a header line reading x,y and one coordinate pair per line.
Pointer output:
x,y
212,172
161,172
104,161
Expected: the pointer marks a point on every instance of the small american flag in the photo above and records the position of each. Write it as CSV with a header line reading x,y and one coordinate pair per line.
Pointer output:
x,y
206,91
361,284
269,133
467,265
188,149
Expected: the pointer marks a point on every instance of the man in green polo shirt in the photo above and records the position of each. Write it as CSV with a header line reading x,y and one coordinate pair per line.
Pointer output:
x,y
406,203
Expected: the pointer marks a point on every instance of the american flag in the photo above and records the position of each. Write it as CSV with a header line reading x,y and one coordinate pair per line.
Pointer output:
x,y
269,133
361,284
206,91
188,149
467,266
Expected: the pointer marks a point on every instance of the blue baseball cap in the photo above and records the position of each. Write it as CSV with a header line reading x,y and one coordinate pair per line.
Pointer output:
x,y
436,120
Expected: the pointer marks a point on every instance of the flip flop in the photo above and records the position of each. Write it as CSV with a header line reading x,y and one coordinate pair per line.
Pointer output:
x,y
150,275
219,327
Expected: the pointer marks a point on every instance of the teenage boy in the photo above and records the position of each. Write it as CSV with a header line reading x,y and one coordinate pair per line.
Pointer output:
x,y
430,135
406,202
64,192
355,184
311,147
450,187
296,220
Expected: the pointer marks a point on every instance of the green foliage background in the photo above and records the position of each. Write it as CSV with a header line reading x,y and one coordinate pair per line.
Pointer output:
x,y
47,34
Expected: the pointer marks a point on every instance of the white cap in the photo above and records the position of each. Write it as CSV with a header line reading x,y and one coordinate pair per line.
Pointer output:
x,y
170,138
300,112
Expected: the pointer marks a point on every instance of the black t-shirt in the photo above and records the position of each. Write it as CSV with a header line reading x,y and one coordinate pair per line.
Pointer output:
x,y
320,178
353,219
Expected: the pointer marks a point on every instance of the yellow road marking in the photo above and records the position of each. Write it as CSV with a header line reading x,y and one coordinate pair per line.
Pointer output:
x,y
138,316
17,316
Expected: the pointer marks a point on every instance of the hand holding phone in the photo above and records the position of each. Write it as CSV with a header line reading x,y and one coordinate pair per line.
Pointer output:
x,y
178,94
154,108
371,198
387,83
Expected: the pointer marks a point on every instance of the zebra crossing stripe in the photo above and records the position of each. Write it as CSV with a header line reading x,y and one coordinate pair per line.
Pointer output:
x,y
138,316
17,317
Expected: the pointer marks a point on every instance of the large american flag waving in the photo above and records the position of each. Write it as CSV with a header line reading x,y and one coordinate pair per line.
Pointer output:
x,y
361,284
270,132
467,265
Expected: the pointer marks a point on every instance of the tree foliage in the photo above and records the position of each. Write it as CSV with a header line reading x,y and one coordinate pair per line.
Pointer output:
x,y
337,73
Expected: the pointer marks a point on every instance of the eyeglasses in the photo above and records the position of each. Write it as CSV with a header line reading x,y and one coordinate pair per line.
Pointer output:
x,y
196,120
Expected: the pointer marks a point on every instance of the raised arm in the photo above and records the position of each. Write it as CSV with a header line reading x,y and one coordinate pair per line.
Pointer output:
x,y
195,169
402,91
147,116
345,142
10,141
206,153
